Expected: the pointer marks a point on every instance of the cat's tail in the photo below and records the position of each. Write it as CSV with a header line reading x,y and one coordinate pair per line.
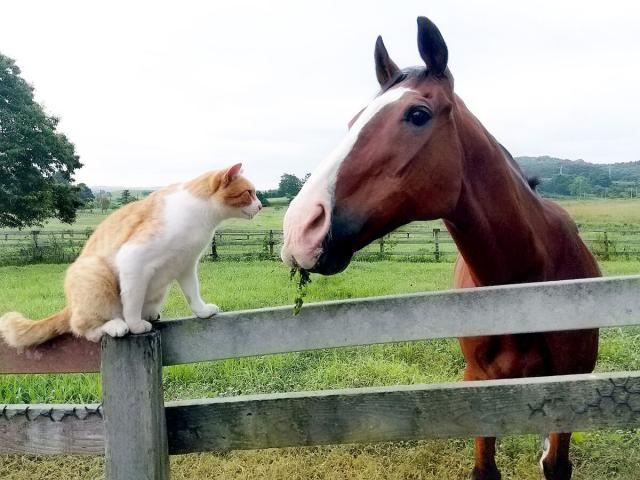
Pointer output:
x,y
20,332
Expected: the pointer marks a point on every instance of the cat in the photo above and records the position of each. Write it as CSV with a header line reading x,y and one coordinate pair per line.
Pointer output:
x,y
119,282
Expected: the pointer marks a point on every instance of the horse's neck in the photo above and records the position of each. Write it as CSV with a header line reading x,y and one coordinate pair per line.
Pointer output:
x,y
498,225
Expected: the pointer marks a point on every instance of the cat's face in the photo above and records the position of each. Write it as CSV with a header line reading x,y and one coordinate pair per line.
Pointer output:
x,y
237,194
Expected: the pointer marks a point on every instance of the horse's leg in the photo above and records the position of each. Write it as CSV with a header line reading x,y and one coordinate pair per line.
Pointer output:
x,y
555,464
485,460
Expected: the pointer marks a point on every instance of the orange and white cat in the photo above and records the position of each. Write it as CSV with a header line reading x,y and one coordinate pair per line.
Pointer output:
x,y
119,282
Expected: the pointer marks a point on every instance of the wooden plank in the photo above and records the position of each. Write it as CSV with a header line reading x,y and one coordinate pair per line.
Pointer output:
x,y
463,409
64,354
533,307
522,308
51,429
133,406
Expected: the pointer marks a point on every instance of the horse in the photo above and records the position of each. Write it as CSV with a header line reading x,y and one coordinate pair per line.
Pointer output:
x,y
415,152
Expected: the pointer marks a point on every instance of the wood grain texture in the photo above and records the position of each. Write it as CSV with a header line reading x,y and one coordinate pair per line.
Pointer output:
x,y
51,429
522,308
464,409
497,407
533,307
133,406
64,354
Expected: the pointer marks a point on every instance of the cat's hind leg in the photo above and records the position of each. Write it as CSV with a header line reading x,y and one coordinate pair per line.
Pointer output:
x,y
91,288
116,327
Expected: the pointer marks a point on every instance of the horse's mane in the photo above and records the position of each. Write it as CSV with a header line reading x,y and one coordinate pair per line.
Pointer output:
x,y
402,75
533,182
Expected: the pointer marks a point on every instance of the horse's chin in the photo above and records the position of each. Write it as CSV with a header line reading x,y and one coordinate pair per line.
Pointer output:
x,y
330,263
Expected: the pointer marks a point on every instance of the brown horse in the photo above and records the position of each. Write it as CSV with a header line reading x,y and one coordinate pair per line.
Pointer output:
x,y
416,153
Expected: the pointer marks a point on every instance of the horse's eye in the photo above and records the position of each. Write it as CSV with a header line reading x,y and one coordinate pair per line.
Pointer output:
x,y
418,115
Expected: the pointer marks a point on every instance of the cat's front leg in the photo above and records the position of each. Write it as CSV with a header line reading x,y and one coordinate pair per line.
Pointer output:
x,y
191,288
133,286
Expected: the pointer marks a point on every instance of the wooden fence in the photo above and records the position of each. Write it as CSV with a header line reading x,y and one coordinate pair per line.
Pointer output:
x,y
412,242
137,430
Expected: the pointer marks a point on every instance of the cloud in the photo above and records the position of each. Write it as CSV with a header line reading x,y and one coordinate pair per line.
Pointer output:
x,y
155,92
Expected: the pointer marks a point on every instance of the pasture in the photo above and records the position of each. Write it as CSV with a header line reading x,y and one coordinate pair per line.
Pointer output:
x,y
37,291
601,213
611,229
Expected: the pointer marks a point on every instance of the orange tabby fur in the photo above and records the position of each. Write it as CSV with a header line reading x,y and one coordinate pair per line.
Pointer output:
x,y
92,284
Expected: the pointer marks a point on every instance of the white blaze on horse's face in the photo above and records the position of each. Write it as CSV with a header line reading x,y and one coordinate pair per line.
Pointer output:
x,y
308,219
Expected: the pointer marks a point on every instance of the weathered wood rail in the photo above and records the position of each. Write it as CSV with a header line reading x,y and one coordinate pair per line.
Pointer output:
x,y
413,242
133,422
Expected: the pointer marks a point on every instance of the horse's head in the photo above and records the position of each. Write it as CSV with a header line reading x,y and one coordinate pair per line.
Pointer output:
x,y
399,162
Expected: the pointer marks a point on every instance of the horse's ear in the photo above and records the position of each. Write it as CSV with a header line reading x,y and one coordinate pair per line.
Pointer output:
x,y
431,45
385,68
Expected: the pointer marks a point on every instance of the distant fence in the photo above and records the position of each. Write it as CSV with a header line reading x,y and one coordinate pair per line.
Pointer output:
x,y
137,430
417,244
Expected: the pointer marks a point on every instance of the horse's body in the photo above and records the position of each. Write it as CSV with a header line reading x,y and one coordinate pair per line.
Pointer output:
x,y
417,153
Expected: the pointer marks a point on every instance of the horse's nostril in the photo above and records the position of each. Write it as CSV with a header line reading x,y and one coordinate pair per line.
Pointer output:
x,y
318,220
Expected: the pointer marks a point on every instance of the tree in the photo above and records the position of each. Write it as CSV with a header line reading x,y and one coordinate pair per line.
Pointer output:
x,y
126,197
85,194
103,200
289,185
37,162
558,185
262,196
579,186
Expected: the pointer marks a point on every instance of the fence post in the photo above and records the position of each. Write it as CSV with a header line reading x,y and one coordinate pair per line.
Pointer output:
x,y
133,407
436,243
606,246
214,248
381,245
35,255
271,243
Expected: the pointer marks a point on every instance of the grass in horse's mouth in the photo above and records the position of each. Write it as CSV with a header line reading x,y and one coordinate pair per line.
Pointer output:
x,y
303,279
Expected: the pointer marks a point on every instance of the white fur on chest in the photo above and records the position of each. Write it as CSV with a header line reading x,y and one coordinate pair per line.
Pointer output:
x,y
185,229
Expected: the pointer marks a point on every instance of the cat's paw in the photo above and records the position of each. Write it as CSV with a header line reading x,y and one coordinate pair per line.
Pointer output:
x,y
152,317
141,326
115,328
208,311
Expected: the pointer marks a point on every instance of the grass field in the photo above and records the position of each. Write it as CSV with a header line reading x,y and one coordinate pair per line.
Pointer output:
x,y
615,213
37,291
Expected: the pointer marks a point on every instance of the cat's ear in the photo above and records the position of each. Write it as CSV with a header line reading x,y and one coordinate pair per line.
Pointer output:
x,y
231,173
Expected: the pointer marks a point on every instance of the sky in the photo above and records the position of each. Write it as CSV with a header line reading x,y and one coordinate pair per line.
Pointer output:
x,y
152,93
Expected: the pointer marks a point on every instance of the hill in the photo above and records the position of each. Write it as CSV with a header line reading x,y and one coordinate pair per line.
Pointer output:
x,y
562,177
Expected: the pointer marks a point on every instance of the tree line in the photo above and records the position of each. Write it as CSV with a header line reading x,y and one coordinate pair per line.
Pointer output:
x,y
38,163
288,187
577,178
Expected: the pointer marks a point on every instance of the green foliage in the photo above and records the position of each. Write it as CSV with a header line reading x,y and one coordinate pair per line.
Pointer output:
x,y
304,279
85,194
289,185
36,161
126,197
262,196
578,178
104,201
579,186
